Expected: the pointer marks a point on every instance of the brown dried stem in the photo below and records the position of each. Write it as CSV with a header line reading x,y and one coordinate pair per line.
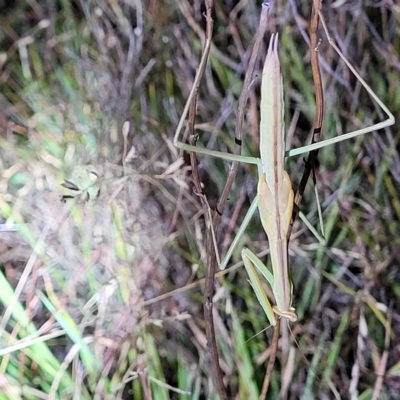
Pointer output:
x,y
211,258
319,104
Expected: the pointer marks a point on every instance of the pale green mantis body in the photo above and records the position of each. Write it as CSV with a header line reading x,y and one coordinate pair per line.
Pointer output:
x,y
274,183
274,193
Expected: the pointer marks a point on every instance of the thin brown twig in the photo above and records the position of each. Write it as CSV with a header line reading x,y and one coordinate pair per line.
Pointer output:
x,y
216,372
209,321
206,207
271,361
319,104
211,258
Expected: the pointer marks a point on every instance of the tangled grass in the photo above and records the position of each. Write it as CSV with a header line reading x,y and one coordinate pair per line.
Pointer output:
x,y
99,87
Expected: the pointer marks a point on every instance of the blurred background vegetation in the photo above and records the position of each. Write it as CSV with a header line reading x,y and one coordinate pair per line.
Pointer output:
x,y
90,95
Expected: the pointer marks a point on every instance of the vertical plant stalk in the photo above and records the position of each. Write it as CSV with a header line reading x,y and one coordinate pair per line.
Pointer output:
x,y
192,138
216,215
319,105
271,361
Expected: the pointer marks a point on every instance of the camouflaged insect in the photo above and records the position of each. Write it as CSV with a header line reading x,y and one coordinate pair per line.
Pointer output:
x,y
84,184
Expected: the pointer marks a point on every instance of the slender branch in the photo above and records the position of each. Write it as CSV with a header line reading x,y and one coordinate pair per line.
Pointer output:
x,y
216,371
271,361
211,257
319,113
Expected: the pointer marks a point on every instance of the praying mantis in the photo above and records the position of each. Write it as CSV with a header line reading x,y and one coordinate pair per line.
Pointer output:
x,y
275,196
83,183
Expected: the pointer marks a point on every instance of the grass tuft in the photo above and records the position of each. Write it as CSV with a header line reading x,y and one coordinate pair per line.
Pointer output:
x,y
77,276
